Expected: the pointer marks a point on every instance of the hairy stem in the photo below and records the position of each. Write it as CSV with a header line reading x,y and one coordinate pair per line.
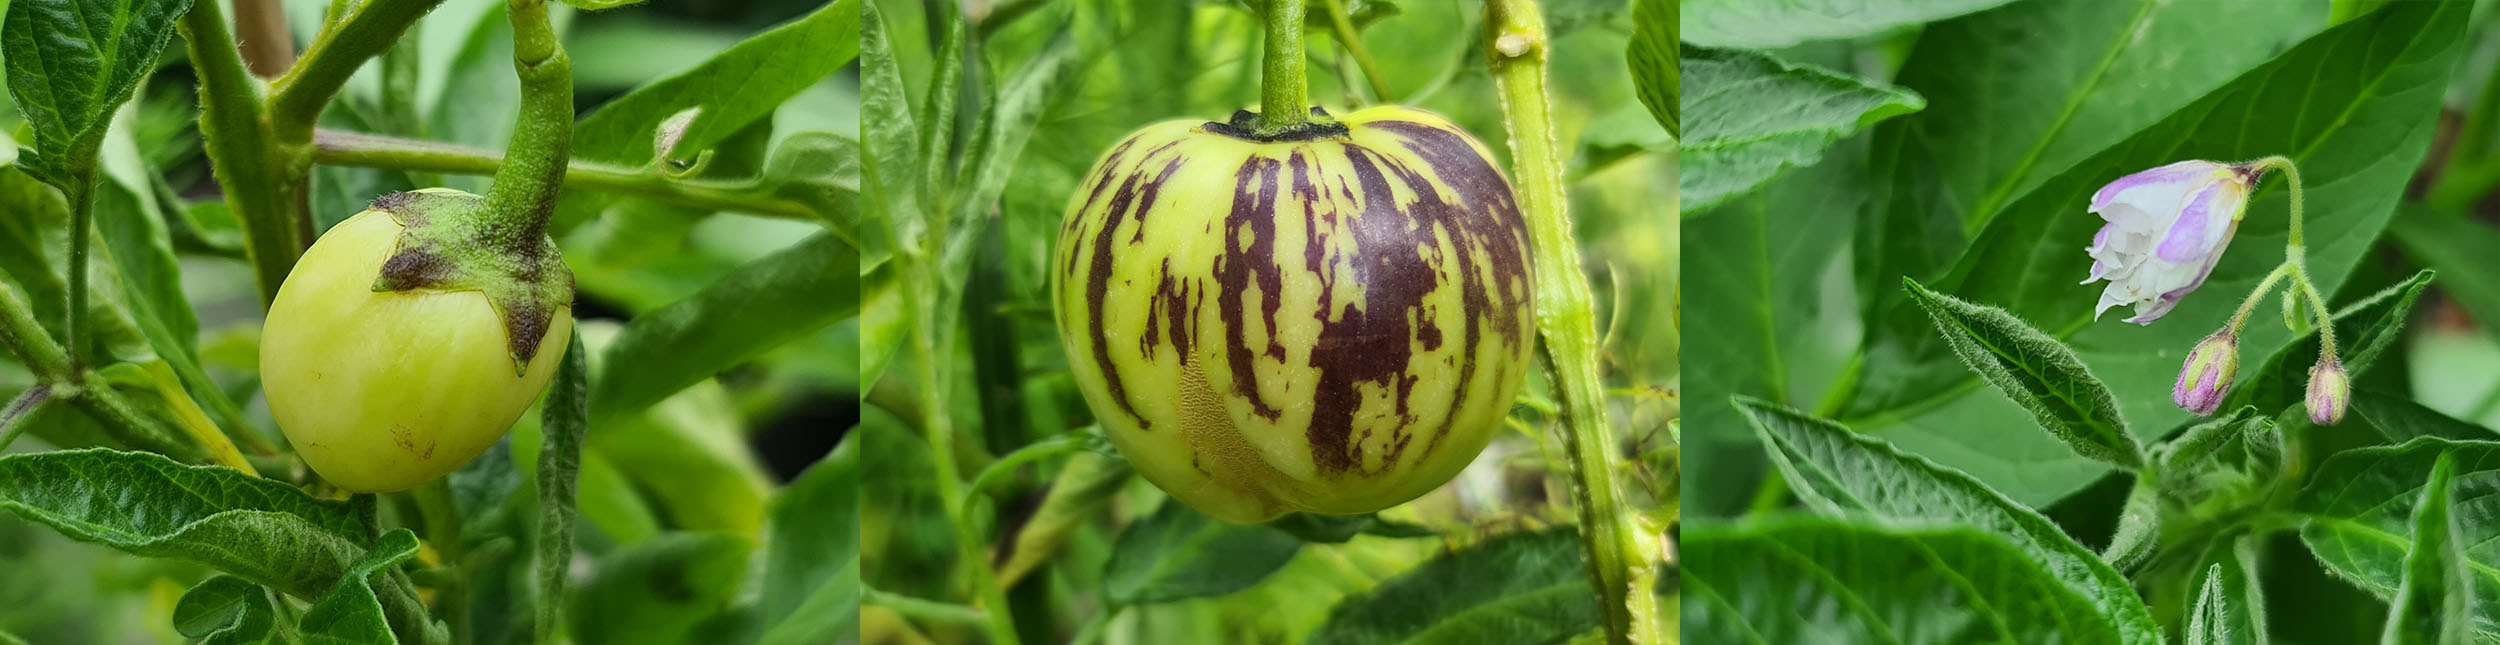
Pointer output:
x,y
81,191
373,27
339,148
13,418
261,190
1621,553
938,427
2264,287
525,188
1284,99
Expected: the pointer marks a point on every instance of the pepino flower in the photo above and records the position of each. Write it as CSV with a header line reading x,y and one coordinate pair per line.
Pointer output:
x,y
2208,373
2330,392
2167,227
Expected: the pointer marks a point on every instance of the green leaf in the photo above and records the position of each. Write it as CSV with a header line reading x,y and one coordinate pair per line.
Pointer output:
x,y
565,417
2360,506
224,610
1653,58
1075,499
259,530
1838,472
890,160
1772,24
1516,588
659,590
733,89
2230,601
2433,603
2020,94
1754,116
2036,371
71,64
2399,419
2363,330
811,561
762,306
821,170
2317,103
351,613
1835,581
1178,553
1762,304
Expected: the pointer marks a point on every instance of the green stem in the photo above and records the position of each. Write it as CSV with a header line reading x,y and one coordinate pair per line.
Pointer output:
x,y
938,428
81,190
1284,100
360,150
26,338
2263,287
13,417
997,470
1621,555
333,57
929,610
264,192
2291,175
2317,306
523,196
1352,41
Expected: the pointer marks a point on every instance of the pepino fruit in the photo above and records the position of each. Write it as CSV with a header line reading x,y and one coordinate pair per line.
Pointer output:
x,y
398,349
1333,319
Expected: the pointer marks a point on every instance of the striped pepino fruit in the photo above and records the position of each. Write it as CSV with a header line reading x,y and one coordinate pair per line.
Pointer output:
x,y
1331,320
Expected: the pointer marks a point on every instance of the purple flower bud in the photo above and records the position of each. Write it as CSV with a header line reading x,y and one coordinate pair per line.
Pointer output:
x,y
2167,227
2208,373
2330,392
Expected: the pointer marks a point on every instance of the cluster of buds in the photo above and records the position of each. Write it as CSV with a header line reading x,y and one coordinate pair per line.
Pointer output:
x,y
2167,228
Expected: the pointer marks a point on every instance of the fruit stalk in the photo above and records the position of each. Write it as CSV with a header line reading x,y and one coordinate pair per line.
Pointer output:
x,y
1621,555
524,194
1284,100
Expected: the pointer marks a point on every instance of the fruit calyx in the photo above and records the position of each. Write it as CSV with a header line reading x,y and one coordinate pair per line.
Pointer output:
x,y
1245,126
448,242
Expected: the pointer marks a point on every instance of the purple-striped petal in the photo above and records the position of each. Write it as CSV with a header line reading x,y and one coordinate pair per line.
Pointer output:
x,y
2191,233
2181,171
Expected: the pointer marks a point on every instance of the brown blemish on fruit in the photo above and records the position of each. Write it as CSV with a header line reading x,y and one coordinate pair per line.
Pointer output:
x,y
1216,445
406,438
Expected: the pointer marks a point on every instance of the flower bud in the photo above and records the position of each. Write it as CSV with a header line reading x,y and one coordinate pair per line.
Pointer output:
x,y
2330,392
2167,227
2207,373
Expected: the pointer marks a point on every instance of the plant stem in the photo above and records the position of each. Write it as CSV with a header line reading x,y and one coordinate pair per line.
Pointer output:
x,y
1284,100
524,193
13,418
235,133
81,191
2263,287
939,429
267,46
2291,175
1622,557
1352,41
925,609
359,150
373,27
443,527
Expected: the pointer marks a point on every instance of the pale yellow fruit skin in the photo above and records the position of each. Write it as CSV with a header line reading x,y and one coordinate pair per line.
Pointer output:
x,y
386,391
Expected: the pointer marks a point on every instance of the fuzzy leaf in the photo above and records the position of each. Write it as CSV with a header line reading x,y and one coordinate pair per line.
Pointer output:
x,y
1754,116
2036,371
1839,472
2361,505
2433,603
1835,581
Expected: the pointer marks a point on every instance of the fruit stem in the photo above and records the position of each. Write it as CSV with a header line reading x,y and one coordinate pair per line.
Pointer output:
x,y
524,195
1622,553
1284,99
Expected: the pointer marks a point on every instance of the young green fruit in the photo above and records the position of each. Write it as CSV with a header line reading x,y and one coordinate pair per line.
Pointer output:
x,y
389,362
1332,320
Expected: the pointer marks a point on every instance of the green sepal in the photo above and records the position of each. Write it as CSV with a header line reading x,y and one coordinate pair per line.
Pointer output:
x,y
448,242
